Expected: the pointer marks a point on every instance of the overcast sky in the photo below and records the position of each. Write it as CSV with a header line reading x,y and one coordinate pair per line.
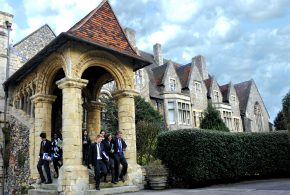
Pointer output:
x,y
241,39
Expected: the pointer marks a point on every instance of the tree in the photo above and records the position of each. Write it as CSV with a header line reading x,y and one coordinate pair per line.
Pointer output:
x,y
212,120
279,121
286,108
149,123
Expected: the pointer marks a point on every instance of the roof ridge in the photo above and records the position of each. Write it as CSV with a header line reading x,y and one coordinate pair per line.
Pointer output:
x,y
86,18
29,35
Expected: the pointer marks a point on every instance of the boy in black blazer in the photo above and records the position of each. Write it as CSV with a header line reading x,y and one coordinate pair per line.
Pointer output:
x,y
119,148
98,157
44,156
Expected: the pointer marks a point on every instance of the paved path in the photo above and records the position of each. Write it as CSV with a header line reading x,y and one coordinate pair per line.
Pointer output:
x,y
255,187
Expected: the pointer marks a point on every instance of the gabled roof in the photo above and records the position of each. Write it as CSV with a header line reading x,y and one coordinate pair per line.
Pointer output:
x,y
183,73
101,26
34,32
243,91
109,40
158,73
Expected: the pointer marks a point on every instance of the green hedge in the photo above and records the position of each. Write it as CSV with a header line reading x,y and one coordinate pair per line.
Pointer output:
x,y
204,156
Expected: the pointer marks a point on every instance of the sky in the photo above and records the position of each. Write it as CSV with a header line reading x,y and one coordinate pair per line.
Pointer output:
x,y
240,39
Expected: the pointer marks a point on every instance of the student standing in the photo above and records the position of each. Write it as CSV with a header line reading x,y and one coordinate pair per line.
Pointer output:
x,y
44,157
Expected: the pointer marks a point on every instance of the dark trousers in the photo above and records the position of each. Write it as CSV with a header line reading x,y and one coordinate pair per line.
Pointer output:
x,y
120,159
111,167
56,164
100,171
86,157
45,163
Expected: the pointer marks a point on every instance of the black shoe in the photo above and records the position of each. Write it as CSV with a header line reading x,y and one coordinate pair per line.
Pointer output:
x,y
97,188
123,179
40,182
114,182
48,182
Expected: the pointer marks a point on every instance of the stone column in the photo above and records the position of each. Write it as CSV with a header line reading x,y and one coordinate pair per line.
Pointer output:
x,y
126,117
73,178
94,119
42,123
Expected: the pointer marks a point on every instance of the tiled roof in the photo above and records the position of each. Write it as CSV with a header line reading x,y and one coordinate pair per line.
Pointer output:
x,y
225,89
101,26
183,74
208,83
243,92
158,73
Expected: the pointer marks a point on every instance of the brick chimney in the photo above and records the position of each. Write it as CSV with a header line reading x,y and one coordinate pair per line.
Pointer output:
x,y
158,54
199,61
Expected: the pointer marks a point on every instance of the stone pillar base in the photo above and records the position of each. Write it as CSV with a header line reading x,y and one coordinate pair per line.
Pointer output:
x,y
135,176
73,180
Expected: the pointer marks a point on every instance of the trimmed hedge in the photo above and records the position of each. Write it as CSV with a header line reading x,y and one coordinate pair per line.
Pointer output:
x,y
199,157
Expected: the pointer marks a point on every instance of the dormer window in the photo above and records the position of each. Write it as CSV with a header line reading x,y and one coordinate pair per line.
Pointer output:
x,y
197,87
216,96
172,84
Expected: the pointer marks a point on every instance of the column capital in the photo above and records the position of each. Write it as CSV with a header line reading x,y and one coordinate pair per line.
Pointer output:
x,y
72,83
42,98
124,93
96,105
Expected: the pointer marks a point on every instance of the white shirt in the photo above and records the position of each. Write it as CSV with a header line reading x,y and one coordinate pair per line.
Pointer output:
x,y
99,152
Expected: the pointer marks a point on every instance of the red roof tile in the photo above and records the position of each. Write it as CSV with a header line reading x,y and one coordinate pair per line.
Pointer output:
x,y
101,26
225,89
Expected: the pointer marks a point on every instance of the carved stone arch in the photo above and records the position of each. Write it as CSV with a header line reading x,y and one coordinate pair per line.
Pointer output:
x,y
47,72
99,84
120,72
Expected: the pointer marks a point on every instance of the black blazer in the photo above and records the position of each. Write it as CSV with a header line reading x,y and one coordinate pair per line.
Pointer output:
x,y
116,145
108,146
46,149
93,153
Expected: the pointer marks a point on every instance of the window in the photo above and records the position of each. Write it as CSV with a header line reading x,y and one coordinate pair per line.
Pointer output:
x,y
236,124
171,113
197,88
172,84
138,77
216,96
200,117
258,117
233,99
194,119
227,116
183,113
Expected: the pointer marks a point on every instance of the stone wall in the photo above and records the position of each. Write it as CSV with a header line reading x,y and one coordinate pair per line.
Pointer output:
x,y
18,169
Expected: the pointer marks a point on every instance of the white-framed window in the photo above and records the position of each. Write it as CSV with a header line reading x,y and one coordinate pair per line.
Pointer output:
x,y
172,84
216,96
227,116
197,88
233,99
138,77
194,118
200,117
236,124
171,113
183,113
258,117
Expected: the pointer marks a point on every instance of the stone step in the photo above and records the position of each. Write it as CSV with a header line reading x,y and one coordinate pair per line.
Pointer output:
x,y
109,185
115,190
52,186
42,192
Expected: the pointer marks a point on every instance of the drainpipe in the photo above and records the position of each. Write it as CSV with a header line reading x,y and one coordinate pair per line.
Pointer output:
x,y
8,25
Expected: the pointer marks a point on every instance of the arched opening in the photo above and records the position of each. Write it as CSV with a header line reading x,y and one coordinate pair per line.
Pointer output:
x,y
56,112
97,77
